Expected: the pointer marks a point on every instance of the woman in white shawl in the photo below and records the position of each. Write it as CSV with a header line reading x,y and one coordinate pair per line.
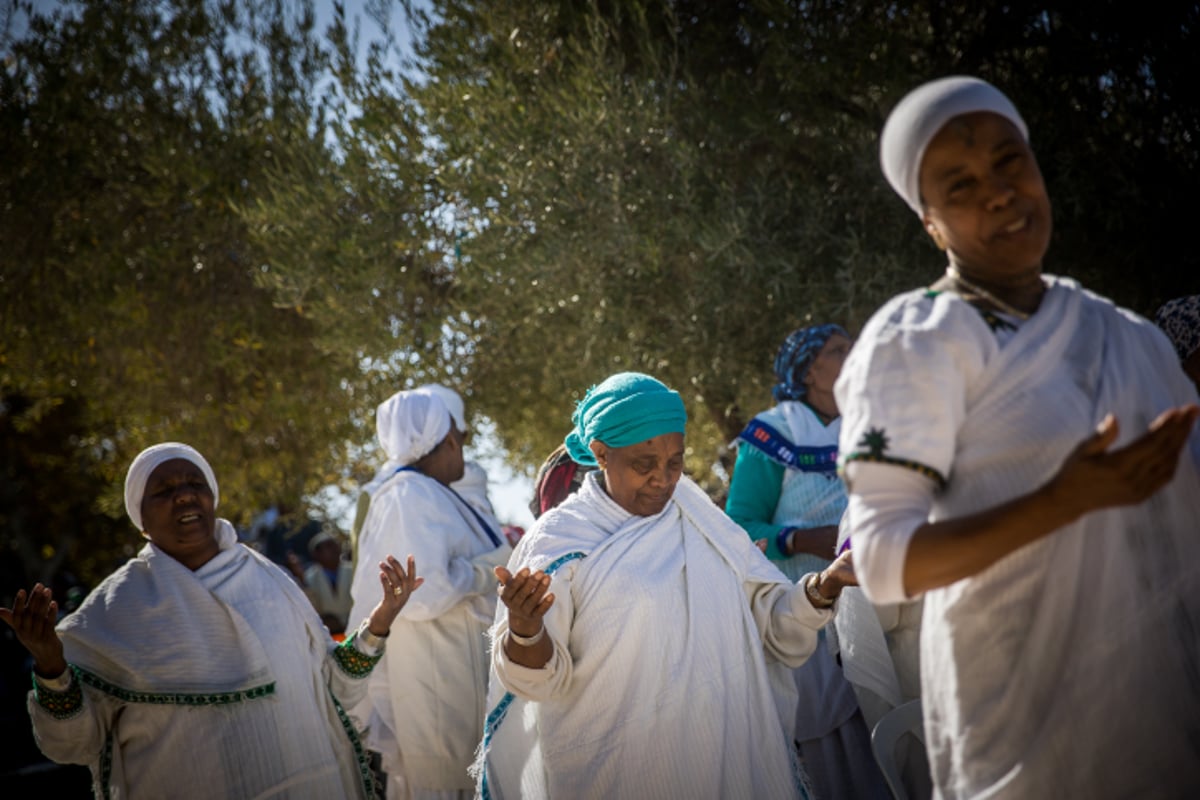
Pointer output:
x,y
199,669
1023,453
644,643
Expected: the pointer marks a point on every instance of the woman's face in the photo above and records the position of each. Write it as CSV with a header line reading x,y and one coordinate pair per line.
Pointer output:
x,y
178,513
641,477
825,368
984,198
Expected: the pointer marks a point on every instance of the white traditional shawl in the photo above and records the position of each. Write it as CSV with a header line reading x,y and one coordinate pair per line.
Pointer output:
x,y
212,683
1070,668
660,687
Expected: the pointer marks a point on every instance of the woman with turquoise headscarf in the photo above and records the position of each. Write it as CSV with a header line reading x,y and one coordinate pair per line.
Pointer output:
x,y
786,494
643,647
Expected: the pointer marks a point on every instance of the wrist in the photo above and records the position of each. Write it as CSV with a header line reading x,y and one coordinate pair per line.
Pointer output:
x,y
812,590
526,641
783,541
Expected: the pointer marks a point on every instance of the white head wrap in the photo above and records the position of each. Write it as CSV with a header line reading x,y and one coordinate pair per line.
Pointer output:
x,y
918,117
410,424
147,461
452,399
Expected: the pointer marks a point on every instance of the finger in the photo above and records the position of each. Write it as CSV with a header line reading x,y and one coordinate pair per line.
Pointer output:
x,y
412,569
1106,433
502,575
540,610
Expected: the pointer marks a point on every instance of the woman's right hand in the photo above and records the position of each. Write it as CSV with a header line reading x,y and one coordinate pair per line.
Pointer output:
x,y
527,597
1094,477
33,617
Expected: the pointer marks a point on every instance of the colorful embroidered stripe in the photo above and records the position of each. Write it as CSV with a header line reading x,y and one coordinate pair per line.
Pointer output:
x,y
350,660
776,447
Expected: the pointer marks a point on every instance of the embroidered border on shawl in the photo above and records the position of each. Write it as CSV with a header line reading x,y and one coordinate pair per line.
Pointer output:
x,y
351,661
492,723
370,787
60,705
171,698
106,768
775,446
928,472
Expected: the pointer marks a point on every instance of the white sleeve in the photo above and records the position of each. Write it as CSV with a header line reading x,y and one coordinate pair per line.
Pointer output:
x,y
887,505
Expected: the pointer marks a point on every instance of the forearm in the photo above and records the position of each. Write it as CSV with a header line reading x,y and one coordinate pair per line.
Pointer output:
x,y
941,553
820,541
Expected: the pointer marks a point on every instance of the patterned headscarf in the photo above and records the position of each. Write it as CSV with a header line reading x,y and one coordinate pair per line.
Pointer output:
x,y
919,116
147,461
624,409
796,355
1180,320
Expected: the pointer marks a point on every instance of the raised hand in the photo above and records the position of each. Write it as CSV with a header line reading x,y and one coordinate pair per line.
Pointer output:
x,y
1094,477
398,585
527,598
33,617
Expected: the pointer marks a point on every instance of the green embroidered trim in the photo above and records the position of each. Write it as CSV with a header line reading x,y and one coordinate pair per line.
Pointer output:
x,y
932,293
365,774
106,765
176,699
60,705
879,458
352,662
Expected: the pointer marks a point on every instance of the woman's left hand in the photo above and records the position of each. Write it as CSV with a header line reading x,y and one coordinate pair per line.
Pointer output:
x,y
837,576
398,586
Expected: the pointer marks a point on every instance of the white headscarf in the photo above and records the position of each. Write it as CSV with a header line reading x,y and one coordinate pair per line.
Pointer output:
x,y
918,117
147,461
452,399
410,424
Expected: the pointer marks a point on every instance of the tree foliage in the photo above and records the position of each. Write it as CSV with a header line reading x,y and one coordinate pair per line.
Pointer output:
x,y
222,228
131,290
674,186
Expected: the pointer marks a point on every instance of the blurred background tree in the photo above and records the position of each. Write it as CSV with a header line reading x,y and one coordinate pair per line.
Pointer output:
x,y
132,306
225,225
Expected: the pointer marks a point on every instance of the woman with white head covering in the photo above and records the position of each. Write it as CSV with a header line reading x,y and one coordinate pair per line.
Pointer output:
x,y
645,644
425,710
199,669
1022,454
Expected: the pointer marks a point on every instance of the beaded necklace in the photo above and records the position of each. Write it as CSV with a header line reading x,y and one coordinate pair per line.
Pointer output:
x,y
1007,308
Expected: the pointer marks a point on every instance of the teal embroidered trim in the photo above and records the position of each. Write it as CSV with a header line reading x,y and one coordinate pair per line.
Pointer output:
x,y
493,720
928,472
353,662
171,698
60,705
361,756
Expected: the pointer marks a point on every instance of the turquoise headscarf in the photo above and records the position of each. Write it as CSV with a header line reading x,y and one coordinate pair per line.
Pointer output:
x,y
625,409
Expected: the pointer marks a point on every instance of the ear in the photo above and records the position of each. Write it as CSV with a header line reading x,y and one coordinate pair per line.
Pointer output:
x,y
934,232
600,451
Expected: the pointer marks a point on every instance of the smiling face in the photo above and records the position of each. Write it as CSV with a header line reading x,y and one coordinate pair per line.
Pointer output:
x,y
178,514
641,477
984,199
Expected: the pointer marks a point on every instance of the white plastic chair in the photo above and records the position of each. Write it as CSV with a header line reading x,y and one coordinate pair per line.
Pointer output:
x,y
902,719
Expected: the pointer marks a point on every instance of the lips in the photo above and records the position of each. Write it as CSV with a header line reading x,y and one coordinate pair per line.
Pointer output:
x,y
189,518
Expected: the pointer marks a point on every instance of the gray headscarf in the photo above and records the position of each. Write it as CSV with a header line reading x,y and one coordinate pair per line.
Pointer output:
x,y
918,117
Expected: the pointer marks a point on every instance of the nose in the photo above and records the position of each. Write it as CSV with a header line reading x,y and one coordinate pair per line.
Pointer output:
x,y
1000,192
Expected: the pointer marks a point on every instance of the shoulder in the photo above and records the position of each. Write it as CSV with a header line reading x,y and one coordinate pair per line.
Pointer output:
x,y
918,331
